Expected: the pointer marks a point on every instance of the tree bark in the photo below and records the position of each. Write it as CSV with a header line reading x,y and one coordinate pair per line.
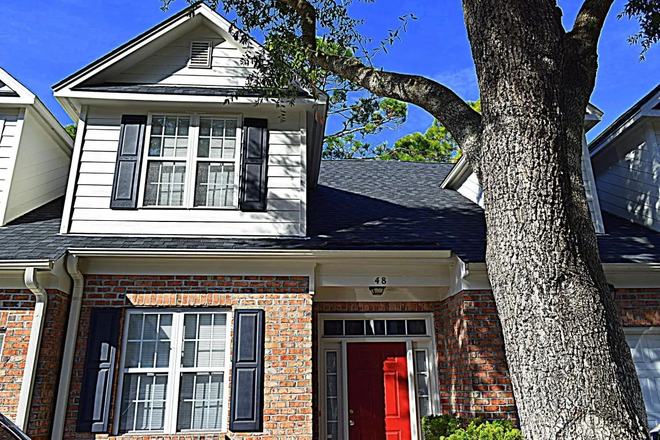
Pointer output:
x,y
571,370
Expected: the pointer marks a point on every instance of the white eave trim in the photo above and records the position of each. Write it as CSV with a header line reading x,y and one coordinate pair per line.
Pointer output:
x,y
317,255
169,98
24,264
457,174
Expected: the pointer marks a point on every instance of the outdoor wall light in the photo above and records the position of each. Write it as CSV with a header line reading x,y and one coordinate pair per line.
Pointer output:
x,y
377,290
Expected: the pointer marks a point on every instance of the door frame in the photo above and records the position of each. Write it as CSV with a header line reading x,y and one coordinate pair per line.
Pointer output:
x,y
338,344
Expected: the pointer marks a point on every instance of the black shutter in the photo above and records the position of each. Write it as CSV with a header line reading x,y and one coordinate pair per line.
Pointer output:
x,y
129,156
254,172
98,375
247,387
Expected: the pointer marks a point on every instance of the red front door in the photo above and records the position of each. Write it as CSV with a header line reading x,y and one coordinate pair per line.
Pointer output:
x,y
378,392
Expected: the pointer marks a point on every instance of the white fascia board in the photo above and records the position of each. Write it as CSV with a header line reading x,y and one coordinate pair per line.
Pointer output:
x,y
316,255
457,175
25,96
623,128
85,97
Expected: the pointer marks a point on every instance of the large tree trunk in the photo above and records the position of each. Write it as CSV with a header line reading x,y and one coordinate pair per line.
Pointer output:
x,y
572,372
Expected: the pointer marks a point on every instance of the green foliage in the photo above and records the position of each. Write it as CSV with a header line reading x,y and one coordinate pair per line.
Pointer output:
x,y
647,12
435,145
71,129
452,427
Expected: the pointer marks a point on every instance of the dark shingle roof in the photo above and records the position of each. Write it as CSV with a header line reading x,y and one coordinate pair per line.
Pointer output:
x,y
357,205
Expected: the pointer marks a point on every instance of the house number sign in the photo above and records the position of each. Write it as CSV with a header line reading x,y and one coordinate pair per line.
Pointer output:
x,y
382,281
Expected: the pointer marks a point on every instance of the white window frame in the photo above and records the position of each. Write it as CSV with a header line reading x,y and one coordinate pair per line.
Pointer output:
x,y
413,343
191,161
174,371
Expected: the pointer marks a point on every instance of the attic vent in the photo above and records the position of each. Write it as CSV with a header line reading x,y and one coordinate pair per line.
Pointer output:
x,y
200,54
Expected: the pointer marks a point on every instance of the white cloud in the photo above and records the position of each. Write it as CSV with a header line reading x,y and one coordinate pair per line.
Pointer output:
x,y
462,81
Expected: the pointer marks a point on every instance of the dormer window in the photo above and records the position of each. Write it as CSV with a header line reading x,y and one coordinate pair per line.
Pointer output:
x,y
192,161
200,54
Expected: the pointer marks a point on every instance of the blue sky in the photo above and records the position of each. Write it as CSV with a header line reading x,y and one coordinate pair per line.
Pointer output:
x,y
45,41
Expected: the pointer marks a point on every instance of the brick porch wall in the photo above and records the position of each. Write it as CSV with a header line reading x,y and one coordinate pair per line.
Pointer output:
x,y
288,356
473,376
16,316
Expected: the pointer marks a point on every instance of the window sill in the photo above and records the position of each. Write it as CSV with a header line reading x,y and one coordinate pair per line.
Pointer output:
x,y
161,434
194,208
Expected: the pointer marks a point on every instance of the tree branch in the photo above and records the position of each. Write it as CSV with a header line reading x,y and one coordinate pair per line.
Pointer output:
x,y
589,22
453,112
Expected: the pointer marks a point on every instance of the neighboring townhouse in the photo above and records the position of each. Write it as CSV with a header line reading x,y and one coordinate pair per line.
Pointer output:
x,y
35,151
205,275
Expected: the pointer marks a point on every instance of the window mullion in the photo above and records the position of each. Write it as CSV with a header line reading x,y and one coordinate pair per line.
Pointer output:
x,y
191,165
174,374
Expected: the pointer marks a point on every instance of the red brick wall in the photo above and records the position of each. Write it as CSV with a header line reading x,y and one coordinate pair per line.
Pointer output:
x,y
639,307
16,317
472,369
288,368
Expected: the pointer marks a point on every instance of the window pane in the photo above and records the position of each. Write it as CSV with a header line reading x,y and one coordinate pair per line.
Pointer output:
x,y
416,327
230,128
169,136
331,362
201,401
203,148
215,184
204,340
376,327
143,402
354,328
170,125
396,327
229,151
155,144
421,371
148,342
218,127
217,138
157,125
184,123
165,184
333,328
204,126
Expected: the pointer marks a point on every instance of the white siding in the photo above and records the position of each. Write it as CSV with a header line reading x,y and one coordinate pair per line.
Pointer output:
x,y
630,188
91,204
9,136
169,65
590,189
471,189
41,169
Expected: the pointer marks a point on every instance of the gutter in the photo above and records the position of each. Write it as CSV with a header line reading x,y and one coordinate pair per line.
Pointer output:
x,y
30,371
260,254
70,341
25,264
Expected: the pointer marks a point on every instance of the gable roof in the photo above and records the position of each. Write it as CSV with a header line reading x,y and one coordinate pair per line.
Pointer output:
x,y
649,101
12,92
358,205
150,35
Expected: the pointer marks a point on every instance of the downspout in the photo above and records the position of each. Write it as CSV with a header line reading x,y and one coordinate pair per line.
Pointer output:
x,y
30,371
70,340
